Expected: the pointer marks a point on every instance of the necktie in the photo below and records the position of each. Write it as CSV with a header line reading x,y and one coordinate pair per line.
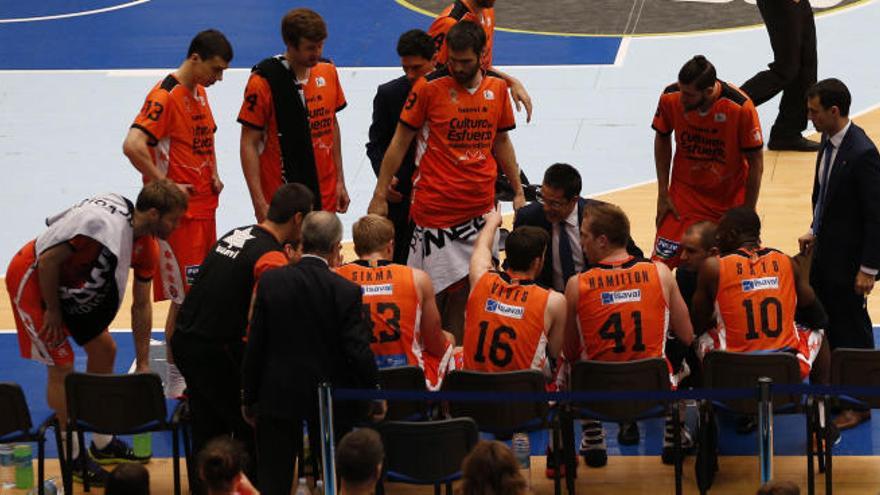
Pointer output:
x,y
566,261
827,151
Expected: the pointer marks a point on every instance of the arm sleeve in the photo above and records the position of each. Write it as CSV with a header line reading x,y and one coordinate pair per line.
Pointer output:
x,y
254,355
414,111
155,117
662,122
256,108
268,261
750,137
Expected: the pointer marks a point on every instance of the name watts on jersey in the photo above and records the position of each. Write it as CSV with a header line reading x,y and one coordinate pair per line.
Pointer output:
x,y
493,306
621,296
764,283
203,140
474,132
377,290
601,281
699,146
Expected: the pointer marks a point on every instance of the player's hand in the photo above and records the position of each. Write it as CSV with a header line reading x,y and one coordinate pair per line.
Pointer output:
x,y
864,283
216,184
493,219
342,198
806,243
664,207
521,98
519,200
392,194
378,205
52,331
187,189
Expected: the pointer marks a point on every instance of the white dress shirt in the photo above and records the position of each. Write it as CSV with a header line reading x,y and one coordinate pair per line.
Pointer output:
x,y
574,235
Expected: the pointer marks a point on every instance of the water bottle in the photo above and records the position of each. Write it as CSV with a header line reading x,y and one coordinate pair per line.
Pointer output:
x,y
51,486
319,488
23,457
7,466
142,443
522,450
303,487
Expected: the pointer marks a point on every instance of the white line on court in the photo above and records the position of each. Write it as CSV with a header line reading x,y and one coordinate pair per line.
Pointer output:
x,y
73,14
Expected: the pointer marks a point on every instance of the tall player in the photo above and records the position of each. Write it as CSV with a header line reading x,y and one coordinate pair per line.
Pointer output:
x,y
620,309
461,115
289,130
718,160
399,302
173,137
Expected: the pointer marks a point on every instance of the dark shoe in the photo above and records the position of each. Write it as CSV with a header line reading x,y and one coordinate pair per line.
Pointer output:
x,y
687,446
550,471
746,424
849,418
793,143
593,449
628,434
115,452
84,467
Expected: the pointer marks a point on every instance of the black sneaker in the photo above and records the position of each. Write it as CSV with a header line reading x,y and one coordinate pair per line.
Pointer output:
x,y
115,452
792,143
84,467
628,434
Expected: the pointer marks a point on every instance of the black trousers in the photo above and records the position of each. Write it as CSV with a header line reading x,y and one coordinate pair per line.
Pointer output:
x,y
213,378
849,324
398,213
279,442
792,31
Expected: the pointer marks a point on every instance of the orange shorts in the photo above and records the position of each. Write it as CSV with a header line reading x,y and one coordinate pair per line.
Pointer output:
x,y
669,234
181,256
22,283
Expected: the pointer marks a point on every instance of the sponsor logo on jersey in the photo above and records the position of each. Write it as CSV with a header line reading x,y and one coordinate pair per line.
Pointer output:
x,y
621,296
493,306
666,248
488,94
720,117
764,283
377,290
320,82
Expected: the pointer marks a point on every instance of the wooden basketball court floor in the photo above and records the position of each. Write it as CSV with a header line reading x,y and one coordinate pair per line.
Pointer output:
x,y
619,100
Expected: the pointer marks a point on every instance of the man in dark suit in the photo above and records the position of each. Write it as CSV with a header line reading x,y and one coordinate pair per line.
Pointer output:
x,y
307,328
845,235
415,49
559,212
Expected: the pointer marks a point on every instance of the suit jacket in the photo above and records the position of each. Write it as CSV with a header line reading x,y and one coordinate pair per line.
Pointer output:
x,y
387,105
533,214
849,231
307,328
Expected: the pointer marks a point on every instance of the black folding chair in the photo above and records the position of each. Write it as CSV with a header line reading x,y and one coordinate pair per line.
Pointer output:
x,y
503,420
404,378
16,426
726,370
118,405
426,452
604,376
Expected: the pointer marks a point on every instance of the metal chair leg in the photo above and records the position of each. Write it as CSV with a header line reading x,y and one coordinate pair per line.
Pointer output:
x,y
676,435
176,454
41,461
812,427
828,481
82,451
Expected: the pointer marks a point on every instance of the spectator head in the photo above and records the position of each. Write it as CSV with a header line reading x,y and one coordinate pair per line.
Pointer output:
x,y
696,80
220,464
158,208
828,103
416,50
359,458
304,32
697,244
779,488
290,204
525,248
208,56
560,191
738,226
373,234
322,235
465,43
604,229
128,479
491,469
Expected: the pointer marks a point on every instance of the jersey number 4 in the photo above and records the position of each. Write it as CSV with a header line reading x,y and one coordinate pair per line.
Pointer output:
x,y
500,353
389,312
612,329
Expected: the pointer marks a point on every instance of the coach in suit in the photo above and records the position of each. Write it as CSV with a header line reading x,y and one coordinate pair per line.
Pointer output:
x,y
415,49
845,234
307,328
559,212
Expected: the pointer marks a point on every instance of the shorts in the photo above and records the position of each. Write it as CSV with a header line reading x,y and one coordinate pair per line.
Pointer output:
x,y
22,283
445,253
436,368
669,234
181,256
809,343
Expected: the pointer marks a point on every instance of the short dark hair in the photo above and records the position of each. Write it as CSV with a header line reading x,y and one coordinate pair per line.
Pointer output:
x,y
358,455
466,35
128,479
608,220
832,93
491,468
415,42
289,200
699,72
302,23
163,195
220,462
210,43
524,245
563,176
744,220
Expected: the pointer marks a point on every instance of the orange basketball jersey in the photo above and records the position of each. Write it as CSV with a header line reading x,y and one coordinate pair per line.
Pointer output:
x,y
181,128
756,301
709,168
455,178
461,10
622,313
504,325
